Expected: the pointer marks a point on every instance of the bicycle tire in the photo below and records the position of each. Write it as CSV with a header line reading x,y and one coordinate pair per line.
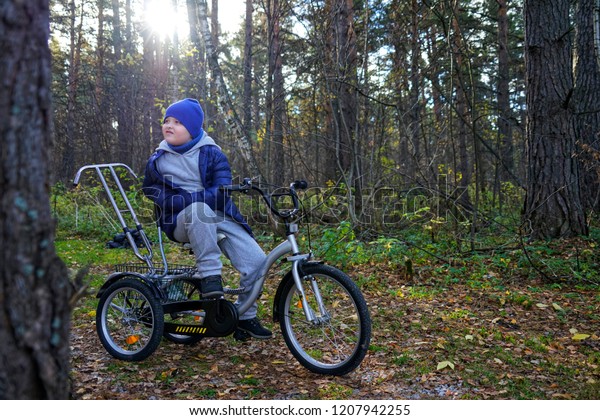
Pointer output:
x,y
189,291
338,341
129,320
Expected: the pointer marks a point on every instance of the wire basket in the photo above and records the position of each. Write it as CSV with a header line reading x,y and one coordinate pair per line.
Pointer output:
x,y
173,269
180,290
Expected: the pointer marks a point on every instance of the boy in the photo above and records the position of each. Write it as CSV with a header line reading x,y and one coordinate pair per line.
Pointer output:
x,y
183,178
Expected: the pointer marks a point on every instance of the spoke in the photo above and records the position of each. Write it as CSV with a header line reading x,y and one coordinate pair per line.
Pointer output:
x,y
337,343
118,308
128,316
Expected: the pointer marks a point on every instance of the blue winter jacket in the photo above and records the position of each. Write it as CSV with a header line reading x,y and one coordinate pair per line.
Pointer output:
x,y
171,199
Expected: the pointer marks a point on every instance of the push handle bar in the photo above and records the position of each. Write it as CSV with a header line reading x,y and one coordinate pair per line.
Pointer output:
x,y
98,168
119,213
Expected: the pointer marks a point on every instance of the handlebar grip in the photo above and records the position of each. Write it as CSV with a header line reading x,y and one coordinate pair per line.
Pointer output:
x,y
300,184
233,188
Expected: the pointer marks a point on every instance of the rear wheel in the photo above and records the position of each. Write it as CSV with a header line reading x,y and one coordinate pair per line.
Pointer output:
x,y
336,341
129,320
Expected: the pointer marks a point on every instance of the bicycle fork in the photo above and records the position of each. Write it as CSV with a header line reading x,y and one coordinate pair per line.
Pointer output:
x,y
309,313
296,259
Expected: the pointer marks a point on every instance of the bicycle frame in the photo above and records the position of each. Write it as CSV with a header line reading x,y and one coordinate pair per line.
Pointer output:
x,y
289,246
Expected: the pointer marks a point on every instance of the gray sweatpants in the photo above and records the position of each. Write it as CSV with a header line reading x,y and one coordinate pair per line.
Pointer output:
x,y
199,225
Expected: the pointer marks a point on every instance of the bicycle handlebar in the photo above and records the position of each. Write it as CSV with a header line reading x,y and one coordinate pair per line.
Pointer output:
x,y
247,185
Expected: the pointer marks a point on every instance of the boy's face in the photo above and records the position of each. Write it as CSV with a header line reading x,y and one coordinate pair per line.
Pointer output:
x,y
175,133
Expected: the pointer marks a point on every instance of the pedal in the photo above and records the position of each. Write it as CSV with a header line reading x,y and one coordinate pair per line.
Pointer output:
x,y
238,291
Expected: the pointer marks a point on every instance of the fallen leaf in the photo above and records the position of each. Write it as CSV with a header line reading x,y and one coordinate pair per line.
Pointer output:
x,y
557,307
469,337
579,337
541,305
445,364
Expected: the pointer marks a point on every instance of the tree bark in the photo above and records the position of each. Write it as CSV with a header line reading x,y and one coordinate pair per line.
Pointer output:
x,y
34,287
586,99
553,206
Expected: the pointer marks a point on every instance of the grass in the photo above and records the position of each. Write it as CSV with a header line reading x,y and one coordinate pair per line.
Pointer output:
x,y
506,329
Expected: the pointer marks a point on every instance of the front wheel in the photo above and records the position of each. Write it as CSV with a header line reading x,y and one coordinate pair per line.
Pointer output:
x,y
129,320
336,340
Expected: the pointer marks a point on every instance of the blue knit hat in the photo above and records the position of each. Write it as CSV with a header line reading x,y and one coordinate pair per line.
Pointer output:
x,y
189,113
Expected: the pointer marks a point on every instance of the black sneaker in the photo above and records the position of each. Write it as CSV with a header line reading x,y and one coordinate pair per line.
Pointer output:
x,y
212,286
253,328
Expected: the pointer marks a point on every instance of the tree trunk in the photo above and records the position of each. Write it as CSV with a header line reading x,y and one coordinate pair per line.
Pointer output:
x,y
75,37
400,58
415,91
120,90
268,144
34,288
175,61
224,99
340,64
553,206
99,135
586,98
346,82
464,166
197,62
503,96
433,173
247,95
152,133
278,156
211,112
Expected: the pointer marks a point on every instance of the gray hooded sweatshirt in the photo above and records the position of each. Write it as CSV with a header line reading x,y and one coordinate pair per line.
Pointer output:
x,y
183,168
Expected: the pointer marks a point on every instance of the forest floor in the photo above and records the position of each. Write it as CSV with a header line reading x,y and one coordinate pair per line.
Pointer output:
x,y
478,338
